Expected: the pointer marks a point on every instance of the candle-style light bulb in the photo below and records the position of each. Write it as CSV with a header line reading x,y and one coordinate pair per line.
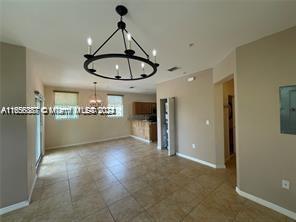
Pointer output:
x,y
117,69
129,39
143,66
154,52
89,43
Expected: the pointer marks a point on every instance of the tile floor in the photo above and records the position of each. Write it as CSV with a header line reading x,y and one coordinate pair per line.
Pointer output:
x,y
127,180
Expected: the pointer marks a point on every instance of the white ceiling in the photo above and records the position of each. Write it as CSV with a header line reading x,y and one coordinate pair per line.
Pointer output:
x,y
56,31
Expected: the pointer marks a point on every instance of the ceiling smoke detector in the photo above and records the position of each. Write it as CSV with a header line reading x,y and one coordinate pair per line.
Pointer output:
x,y
172,69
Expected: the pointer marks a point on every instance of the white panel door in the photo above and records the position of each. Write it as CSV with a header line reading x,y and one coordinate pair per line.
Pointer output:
x,y
171,127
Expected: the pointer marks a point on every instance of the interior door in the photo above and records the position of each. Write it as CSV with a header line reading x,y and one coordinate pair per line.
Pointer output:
x,y
38,133
171,126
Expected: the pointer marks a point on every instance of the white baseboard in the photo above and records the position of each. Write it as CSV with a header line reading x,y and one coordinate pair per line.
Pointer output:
x,y
139,138
32,188
86,142
13,207
267,204
200,161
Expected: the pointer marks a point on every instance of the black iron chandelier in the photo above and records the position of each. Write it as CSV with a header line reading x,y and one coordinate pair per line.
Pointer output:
x,y
128,54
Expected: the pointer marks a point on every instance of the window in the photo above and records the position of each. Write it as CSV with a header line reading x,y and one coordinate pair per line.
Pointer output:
x,y
117,102
65,105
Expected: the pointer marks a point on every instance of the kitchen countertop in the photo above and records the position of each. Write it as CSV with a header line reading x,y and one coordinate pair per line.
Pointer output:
x,y
144,120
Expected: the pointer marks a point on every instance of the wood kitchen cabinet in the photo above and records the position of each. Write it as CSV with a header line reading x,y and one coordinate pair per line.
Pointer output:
x,y
143,108
145,130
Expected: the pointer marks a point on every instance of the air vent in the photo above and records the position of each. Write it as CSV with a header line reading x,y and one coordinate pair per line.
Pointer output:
x,y
173,69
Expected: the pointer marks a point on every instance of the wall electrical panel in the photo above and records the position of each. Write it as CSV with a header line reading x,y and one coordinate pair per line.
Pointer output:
x,y
288,109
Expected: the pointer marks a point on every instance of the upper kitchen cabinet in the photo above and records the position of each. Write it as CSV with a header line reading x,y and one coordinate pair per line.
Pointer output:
x,y
144,108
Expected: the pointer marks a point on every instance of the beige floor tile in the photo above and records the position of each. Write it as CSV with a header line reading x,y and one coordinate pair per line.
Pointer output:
x,y
105,183
209,181
77,173
78,191
142,217
148,196
163,211
125,209
59,200
253,212
204,213
101,174
88,204
65,214
78,183
52,178
180,179
224,199
186,200
100,216
114,193
56,188
134,184
197,189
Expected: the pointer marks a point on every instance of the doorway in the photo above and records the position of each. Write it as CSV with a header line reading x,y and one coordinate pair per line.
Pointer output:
x,y
167,125
231,136
39,129
229,122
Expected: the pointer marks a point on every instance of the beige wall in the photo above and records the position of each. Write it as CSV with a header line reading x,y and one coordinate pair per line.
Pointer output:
x,y
265,156
18,82
194,105
225,68
88,129
14,187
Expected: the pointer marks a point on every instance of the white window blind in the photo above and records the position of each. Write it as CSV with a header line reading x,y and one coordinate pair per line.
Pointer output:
x,y
65,105
116,101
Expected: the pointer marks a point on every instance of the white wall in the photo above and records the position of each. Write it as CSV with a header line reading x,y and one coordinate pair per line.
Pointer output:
x,y
87,129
